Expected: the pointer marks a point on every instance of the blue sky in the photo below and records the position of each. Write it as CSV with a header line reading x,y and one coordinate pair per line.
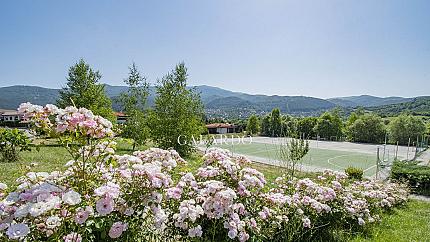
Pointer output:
x,y
313,48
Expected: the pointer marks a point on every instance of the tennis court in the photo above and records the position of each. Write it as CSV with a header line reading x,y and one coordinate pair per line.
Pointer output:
x,y
316,157
322,154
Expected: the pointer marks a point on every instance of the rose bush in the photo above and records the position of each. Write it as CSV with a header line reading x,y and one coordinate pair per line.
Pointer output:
x,y
103,196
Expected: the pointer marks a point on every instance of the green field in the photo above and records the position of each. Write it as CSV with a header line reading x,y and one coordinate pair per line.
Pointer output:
x,y
322,158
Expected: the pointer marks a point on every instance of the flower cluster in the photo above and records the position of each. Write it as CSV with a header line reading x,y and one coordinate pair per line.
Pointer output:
x,y
124,197
68,120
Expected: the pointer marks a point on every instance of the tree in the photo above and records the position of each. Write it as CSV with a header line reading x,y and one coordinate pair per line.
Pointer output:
x,y
329,125
368,128
253,127
291,152
12,141
133,102
84,91
405,127
275,123
289,126
305,127
178,113
265,125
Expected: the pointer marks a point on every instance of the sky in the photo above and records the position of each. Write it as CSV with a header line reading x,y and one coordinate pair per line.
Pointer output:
x,y
313,48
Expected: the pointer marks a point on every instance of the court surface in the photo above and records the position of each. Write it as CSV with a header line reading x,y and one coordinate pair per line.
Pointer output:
x,y
322,154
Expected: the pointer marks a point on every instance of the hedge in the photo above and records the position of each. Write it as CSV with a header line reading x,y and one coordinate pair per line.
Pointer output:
x,y
417,176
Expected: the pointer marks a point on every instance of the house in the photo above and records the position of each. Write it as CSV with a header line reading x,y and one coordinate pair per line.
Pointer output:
x,y
221,128
10,116
121,118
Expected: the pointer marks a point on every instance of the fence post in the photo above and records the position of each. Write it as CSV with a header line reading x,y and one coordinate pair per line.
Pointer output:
x,y
397,149
377,163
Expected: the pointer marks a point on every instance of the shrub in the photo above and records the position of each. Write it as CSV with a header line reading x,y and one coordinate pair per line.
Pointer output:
x,y
354,173
107,197
12,141
417,176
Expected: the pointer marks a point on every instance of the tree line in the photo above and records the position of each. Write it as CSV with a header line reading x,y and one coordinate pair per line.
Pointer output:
x,y
177,112
359,126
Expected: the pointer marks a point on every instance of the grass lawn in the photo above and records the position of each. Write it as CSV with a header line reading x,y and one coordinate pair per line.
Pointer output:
x,y
47,158
411,223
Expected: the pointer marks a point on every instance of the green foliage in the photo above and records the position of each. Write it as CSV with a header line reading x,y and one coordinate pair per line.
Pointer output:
x,y
305,127
275,123
12,141
84,91
417,176
265,125
178,113
329,125
405,127
368,128
418,106
289,126
354,173
253,126
291,152
133,102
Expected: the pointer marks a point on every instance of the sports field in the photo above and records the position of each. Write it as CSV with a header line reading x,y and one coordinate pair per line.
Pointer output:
x,y
322,154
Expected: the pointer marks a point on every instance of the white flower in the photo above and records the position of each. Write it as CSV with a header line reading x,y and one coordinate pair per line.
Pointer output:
x,y
12,198
53,202
17,231
361,221
110,189
71,197
37,209
3,186
53,221
70,163
22,211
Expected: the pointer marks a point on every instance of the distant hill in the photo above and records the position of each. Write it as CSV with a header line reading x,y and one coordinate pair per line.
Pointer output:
x,y
418,106
367,101
11,97
218,102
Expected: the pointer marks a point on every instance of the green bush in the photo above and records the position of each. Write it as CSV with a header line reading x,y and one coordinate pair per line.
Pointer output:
x,y
354,173
12,141
417,176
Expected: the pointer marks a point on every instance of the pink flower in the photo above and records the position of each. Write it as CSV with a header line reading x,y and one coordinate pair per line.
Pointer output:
x,y
174,192
81,216
110,189
306,222
195,232
104,206
73,237
117,229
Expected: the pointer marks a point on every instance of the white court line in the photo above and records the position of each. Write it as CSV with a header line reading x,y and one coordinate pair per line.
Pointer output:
x,y
369,168
329,160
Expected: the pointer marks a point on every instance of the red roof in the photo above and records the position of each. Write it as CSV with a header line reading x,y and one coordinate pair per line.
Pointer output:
x,y
219,125
119,114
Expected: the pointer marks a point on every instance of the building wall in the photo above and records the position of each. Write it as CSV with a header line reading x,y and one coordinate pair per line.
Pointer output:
x,y
10,118
222,130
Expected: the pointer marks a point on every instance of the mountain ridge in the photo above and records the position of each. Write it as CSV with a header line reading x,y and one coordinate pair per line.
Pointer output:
x,y
217,101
